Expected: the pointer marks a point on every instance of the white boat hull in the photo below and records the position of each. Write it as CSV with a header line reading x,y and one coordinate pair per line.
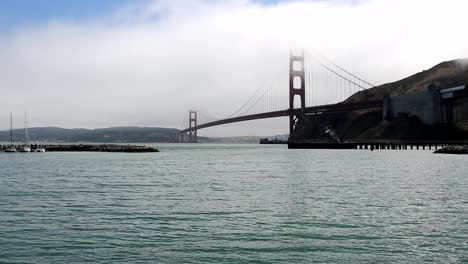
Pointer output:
x,y
25,149
39,150
11,150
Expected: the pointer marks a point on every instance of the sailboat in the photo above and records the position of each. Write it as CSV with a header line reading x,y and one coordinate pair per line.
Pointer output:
x,y
26,147
39,149
11,148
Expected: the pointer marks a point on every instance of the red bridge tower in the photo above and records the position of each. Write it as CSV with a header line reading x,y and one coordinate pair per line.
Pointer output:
x,y
296,87
192,123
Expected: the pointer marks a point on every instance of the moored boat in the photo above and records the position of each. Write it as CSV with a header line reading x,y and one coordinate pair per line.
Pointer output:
x,y
25,149
39,149
10,149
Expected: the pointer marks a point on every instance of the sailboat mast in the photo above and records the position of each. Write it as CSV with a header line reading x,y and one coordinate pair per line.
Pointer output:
x,y
26,135
11,128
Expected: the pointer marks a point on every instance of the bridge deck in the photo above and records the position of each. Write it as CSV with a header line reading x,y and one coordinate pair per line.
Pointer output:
x,y
313,109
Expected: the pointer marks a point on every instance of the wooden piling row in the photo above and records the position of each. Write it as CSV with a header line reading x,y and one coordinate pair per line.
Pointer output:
x,y
415,145
400,146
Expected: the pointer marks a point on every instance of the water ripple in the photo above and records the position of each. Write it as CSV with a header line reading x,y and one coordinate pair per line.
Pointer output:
x,y
234,204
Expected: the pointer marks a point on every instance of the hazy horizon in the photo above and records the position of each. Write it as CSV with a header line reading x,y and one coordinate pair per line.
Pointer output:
x,y
147,63
98,128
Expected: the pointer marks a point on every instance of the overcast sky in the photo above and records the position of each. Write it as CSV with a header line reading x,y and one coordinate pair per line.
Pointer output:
x,y
146,63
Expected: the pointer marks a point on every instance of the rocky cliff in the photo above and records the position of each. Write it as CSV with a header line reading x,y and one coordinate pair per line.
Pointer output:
x,y
368,126
445,74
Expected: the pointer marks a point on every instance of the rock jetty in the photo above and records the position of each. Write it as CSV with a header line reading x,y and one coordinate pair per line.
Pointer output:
x,y
99,148
457,149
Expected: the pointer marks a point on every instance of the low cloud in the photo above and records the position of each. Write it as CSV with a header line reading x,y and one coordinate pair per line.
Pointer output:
x,y
463,63
148,65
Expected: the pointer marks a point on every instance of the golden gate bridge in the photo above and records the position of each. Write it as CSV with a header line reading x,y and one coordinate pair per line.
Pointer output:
x,y
314,85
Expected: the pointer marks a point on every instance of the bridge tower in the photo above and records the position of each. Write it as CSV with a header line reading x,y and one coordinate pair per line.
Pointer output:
x,y
192,123
296,88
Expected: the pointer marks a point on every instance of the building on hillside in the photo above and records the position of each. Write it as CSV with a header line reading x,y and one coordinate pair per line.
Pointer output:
x,y
432,106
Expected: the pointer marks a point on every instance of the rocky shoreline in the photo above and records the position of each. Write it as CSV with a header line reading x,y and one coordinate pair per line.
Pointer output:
x,y
94,148
100,148
456,149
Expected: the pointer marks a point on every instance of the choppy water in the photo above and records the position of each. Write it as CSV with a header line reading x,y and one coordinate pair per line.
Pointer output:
x,y
234,204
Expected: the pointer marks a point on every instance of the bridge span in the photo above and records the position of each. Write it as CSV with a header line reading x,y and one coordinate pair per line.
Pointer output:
x,y
314,85
341,107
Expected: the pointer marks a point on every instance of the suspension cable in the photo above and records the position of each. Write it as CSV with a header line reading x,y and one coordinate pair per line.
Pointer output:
x,y
339,67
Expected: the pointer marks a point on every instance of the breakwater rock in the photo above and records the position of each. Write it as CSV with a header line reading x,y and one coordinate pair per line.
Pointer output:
x,y
457,149
99,148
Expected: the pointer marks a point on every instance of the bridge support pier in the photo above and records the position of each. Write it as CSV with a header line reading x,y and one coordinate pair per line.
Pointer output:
x,y
296,88
193,123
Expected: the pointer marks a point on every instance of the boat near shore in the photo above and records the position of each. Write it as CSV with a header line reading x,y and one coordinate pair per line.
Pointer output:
x,y
24,149
39,149
10,149
274,141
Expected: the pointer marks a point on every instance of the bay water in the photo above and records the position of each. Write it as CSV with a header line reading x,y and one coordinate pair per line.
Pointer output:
x,y
234,204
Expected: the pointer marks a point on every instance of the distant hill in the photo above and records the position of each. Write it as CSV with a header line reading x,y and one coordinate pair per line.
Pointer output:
x,y
116,135
444,75
101,135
